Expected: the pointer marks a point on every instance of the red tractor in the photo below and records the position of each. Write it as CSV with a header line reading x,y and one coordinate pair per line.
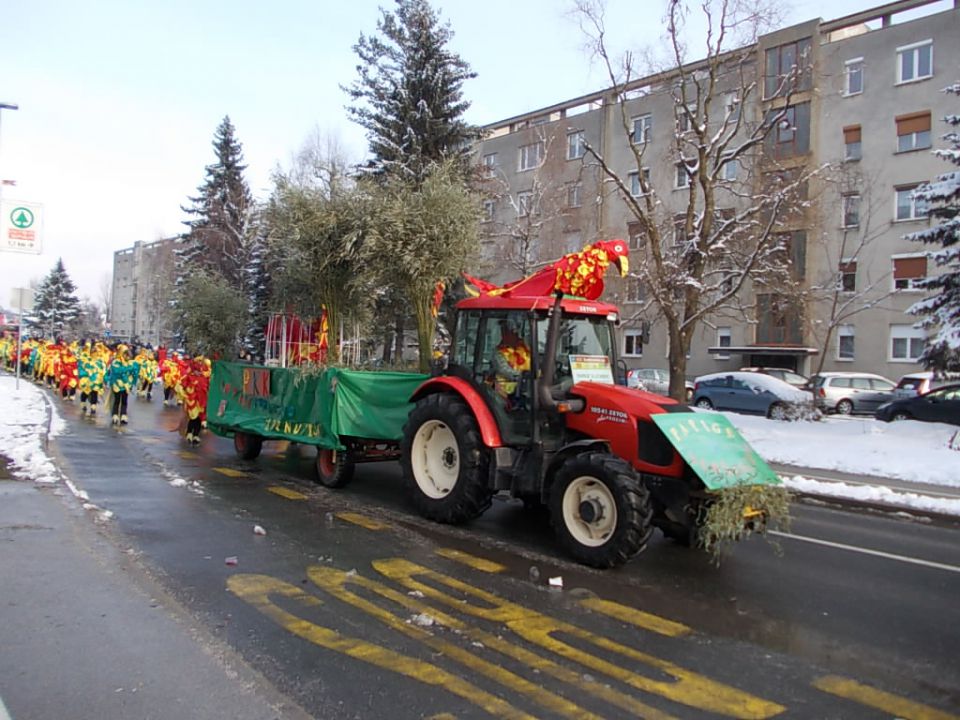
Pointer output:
x,y
559,432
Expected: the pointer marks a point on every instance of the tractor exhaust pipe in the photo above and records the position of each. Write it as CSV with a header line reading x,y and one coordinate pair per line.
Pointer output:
x,y
547,401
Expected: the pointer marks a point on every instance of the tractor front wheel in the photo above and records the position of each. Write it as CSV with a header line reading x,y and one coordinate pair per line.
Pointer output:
x,y
445,463
600,509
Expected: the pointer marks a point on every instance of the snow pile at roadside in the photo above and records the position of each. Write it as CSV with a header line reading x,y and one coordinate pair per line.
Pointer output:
x,y
907,450
24,415
879,494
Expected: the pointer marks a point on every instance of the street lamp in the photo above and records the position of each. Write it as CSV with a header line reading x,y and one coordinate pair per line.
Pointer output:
x,y
12,106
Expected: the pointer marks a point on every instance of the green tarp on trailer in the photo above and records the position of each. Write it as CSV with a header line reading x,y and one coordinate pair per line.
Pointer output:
x,y
316,408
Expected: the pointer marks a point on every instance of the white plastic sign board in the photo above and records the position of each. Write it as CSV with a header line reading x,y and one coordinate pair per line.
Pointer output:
x,y
21,227
22,299
591,368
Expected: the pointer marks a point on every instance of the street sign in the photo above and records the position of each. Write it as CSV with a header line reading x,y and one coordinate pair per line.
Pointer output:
x,y
21,227
22,299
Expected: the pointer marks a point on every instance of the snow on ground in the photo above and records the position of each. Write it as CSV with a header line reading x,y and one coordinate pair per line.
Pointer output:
x,y
909,451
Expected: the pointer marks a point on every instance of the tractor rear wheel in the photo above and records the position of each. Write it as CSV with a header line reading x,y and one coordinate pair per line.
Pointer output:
x,y
334,467
600,509
247,445
445,463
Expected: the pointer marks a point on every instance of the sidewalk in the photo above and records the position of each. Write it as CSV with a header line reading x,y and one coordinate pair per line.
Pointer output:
x,y
87,635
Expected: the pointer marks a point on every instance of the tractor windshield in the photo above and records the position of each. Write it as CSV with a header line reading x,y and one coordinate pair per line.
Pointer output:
x,y
579,335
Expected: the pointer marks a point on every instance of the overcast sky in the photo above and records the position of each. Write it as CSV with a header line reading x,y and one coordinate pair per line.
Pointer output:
x,y
119,99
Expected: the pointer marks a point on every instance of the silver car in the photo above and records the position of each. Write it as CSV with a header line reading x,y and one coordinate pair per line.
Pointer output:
x,y
847,393
654,380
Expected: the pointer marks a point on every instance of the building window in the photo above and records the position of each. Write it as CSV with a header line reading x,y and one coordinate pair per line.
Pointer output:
x,y
908,270
525,204
851,210
685,118
848,276
728,170
531,156
731,106
634,290
787,69
634,181
906,342
682,178
573,195
489,207
790,134
915,62
913,131
725,340
576,145
635,236
633,343
490,165
845,343
853,77
908,206
851,143
642,126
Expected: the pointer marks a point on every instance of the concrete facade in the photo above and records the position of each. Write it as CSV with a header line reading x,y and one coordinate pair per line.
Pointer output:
x,y
142,289
544,199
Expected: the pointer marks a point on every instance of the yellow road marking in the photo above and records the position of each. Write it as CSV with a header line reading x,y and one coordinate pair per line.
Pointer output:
x,y
477,563
257,589
684,686
230,472
443,716
335,581
646,620
883,701
286,493
187,455
361,520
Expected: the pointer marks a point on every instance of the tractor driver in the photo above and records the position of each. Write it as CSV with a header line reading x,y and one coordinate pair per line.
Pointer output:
x,y
510,360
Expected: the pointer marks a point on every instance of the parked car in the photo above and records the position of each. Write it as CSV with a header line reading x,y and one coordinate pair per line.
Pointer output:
x,y
654,380
788,376
919,383
940,405
751,392
850,392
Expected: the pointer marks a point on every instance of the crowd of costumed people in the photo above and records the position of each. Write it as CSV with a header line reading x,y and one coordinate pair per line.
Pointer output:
x,y
93,371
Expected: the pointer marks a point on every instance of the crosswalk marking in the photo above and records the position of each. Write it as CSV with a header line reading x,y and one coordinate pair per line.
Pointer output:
x,y
883,701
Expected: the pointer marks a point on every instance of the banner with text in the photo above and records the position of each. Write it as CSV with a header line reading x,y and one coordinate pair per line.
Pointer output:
x,y
21,225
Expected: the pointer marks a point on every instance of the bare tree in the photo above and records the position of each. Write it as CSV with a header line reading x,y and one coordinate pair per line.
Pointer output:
x,y
701,255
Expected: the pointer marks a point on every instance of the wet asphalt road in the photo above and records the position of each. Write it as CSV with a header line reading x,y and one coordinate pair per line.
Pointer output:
x,y
355,607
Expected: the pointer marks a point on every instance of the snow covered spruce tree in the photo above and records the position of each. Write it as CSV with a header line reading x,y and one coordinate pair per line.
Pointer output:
x,y
726,229
940,312
409,98
218,241
56,306
409,94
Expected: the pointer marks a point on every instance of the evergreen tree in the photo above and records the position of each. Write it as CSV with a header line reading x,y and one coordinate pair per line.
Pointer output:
x,y
409,95
941,310
219,215
56,305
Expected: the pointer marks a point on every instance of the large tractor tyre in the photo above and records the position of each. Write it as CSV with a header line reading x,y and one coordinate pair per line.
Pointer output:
x,y
247,445
600,509
334,467
445,463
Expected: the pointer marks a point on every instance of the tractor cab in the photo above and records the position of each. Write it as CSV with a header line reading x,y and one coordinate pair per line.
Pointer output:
x,y
501,346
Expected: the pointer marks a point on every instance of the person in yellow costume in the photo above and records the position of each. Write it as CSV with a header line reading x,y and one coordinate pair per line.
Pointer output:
x,y
510,360
148,373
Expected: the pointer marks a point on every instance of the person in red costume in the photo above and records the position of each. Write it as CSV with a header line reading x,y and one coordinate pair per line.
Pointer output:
x,y
195,386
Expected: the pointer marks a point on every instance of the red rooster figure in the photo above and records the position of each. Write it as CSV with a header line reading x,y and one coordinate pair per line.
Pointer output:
x,y
579,274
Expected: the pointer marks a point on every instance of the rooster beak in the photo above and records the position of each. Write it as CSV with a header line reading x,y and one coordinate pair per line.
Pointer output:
x,y
624,264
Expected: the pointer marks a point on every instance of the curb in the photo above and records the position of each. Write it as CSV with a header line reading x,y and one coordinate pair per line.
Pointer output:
x,y
879,507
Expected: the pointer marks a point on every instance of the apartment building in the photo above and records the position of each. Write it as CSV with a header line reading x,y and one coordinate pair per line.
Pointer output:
x,y
142,289
857,122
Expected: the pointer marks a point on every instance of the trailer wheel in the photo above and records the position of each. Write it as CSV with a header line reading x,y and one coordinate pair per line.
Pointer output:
x,y
247,445
600,509
444,460
334,467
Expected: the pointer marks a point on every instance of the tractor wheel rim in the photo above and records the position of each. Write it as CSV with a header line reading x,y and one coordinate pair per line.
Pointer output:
x,y
435,457
327,461
587,496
